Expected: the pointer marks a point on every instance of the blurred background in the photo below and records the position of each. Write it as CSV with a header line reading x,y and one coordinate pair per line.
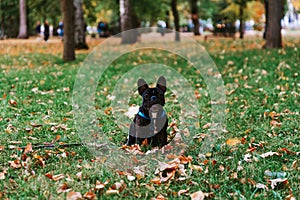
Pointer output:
x,y
101,18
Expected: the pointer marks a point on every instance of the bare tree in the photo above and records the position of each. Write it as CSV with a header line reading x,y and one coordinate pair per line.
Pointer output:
x,y
23,20
69,39
273,34
80,42
127,16
176,19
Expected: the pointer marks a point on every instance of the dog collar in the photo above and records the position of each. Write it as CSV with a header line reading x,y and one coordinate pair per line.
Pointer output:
x,y
145,117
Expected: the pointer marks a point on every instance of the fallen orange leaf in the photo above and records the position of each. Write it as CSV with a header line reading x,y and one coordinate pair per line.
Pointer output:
x,y
89,195
63,188
28,148
156,181
160,197
57,137
233,141
275,123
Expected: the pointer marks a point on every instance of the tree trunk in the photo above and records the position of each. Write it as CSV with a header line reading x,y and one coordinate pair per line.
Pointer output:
x,y
69,39
23,20
266,4
241,13
167,19
195,18
80,42
2,22
273,35
176,19
127,22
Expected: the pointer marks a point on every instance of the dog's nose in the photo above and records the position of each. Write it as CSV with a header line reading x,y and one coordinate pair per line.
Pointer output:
x,y
153,98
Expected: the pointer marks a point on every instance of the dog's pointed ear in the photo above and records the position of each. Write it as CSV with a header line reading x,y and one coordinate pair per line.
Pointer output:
x,y
162,83
142,86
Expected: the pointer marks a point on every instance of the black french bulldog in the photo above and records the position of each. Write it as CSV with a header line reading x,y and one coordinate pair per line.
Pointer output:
x,y
151,121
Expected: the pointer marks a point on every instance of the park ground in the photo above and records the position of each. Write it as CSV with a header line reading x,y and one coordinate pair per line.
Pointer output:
x,y
257,157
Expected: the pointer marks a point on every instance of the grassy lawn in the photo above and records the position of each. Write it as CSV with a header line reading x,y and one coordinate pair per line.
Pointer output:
x,y
260,147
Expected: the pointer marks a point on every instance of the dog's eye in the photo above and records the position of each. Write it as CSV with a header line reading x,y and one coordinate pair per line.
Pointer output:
x,y
146,96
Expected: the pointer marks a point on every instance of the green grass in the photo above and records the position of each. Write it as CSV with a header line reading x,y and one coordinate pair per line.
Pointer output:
x,y
258,82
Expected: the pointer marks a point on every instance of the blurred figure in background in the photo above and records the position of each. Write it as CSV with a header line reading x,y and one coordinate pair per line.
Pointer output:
x,y
46,30
60,29
38,30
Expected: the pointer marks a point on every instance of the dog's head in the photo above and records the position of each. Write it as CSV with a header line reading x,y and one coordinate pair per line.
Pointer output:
x,y
153,98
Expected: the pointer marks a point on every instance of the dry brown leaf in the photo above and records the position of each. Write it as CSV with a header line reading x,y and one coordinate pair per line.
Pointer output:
x,y
247,157
74,196
206,125
12,102
180,192
139,173
111,192
197,168
286,150
28,148
274,115
234,175
118,186
163,166
168,176
49,175
197,195
100,185
40,161
274,182
275,123
89,195
271,153
79,175
4,96
156,181
63,188
108,111
66,89
57,177
159,197
253,183
221,168
2,148
261,186
294,164
15,164
57,137
145,143
197,94
185,160
290,197
233,141
2,175
251,149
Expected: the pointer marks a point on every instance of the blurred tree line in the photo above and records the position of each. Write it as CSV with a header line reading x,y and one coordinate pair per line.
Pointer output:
x,y
144,11
19,17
